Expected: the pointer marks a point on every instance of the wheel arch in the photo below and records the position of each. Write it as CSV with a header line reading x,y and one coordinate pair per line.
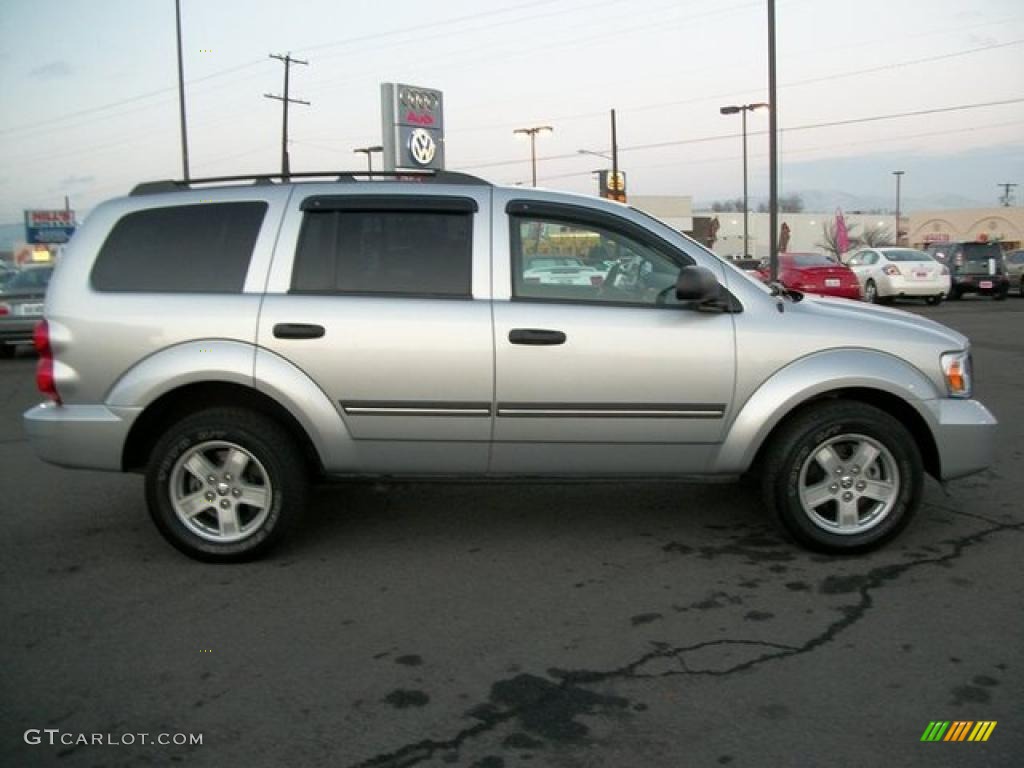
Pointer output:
x,y
891,404
878,379
184,400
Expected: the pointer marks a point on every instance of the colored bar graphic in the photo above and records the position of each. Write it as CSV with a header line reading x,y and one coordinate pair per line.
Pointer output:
x,y
935,730
958,730
982,730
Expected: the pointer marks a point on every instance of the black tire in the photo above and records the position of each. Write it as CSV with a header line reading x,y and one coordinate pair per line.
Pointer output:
x,y
789,463
955,294
7,351
870,292
1020,288
932,301
273,467
1001,294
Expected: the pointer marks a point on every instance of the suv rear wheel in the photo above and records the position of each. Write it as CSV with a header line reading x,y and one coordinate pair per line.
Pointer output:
x,y
225,484
843,476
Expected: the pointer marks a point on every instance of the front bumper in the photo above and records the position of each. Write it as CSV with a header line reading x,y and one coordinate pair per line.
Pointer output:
x,y
79,436
965,436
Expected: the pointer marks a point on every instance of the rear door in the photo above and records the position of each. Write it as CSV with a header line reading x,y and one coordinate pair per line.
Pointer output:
x,y
382,298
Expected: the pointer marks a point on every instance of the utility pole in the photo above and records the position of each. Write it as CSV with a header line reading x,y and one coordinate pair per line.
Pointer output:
x,y
1007,195
285,101
615,154
773,149
532,133
181,93
898,175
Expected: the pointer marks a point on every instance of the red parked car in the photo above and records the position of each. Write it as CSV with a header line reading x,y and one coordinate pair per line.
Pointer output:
x,y
814,273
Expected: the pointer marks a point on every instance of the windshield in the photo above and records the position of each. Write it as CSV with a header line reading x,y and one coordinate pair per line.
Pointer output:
x,y
905,255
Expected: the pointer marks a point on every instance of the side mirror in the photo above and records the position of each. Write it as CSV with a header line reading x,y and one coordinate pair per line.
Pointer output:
x,y
697,284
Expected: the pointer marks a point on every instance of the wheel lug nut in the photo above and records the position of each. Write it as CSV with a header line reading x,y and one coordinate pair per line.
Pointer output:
x,y
854,470
224,504
210,496
861,485
847,496
834,487
227,478
236,492
839,470
211,479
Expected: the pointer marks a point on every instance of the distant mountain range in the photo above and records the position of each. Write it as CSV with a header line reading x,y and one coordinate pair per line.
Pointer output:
x,y
827,200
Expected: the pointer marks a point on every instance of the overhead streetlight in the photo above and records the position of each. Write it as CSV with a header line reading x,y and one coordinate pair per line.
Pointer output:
x,y
743,109
532,133
368,151
898,175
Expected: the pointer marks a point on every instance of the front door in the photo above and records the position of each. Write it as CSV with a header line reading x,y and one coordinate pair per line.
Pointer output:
x,y
599,369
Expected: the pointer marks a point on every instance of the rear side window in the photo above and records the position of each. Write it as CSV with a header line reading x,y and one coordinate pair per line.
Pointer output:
x,y
187,248
405,252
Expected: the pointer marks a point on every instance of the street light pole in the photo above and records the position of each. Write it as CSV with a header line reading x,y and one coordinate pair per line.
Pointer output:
x,y
898,175
181,93
368,151
532,133
743,109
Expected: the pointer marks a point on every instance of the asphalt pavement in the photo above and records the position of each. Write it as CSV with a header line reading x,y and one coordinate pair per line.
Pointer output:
x,y
467,624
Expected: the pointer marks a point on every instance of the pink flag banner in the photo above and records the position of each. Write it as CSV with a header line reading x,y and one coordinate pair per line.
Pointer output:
x,y
842,234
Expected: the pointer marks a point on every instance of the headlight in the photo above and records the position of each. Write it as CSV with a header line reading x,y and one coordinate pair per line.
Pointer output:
x,y
956,370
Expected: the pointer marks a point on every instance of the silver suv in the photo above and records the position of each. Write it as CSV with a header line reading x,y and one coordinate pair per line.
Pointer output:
x,y
235,339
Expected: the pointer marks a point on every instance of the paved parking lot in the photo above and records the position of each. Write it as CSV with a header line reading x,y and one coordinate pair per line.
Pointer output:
x,y
626,624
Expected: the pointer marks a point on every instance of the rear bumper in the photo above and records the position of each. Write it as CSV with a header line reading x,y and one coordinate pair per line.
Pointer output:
x,y
999,283
18,331
902,286
80,436
965,435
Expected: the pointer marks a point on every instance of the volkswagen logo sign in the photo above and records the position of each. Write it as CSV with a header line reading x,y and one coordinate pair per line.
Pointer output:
x,y
422,146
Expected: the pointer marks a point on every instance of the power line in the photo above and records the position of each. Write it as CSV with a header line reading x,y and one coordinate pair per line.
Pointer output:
x,y
791,129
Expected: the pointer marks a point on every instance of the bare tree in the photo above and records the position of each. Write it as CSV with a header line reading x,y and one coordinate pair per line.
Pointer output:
x,y
830,238
877,237
787,204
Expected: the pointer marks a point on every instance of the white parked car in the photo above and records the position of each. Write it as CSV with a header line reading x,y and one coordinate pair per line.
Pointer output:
x,y
562,270
888,273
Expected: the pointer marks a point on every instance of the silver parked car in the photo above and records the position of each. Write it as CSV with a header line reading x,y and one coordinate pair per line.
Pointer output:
x,y
233,341
1015,270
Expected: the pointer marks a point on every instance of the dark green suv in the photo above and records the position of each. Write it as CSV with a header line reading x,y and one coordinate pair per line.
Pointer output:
x,y
974,267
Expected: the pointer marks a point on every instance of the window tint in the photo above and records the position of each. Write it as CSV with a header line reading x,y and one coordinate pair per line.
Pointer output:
x,y
188,248
563,260
908,255
389,252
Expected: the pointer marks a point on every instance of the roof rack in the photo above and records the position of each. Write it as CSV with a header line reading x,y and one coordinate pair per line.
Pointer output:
x,y
432,176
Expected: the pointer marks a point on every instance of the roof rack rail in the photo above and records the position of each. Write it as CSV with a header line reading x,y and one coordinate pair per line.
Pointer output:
x,y
432,176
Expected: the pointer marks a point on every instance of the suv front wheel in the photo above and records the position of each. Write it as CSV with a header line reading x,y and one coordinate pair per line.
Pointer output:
x,y
843,476
225,484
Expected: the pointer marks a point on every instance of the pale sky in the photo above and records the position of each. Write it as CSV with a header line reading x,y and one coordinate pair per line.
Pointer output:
x,y
89,91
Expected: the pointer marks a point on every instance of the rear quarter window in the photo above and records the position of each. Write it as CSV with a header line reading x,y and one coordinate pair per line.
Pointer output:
x,y
202,248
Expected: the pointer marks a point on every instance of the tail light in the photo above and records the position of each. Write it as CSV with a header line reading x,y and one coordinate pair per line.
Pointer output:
x,y
596,280
5,309
891,269
44,368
